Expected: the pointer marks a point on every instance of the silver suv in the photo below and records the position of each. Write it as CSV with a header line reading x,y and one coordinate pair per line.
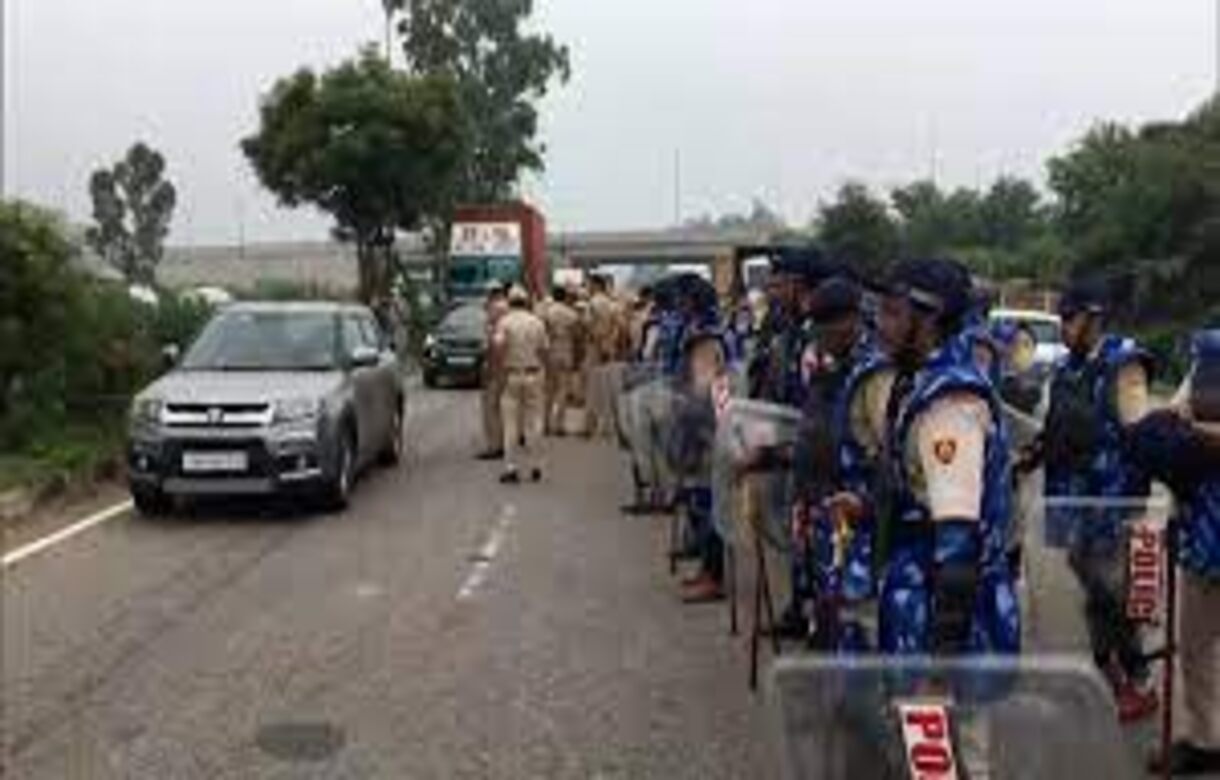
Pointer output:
x,y
271,397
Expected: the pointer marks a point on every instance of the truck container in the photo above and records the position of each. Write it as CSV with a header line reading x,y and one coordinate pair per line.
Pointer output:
x,y
496,244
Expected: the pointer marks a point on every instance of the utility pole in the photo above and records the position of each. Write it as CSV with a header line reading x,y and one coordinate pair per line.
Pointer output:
x,y
677,187
3,97
389,7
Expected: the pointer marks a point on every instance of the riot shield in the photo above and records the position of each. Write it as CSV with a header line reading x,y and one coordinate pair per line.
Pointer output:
x,y
1115,545
752,478
642,420
1041,718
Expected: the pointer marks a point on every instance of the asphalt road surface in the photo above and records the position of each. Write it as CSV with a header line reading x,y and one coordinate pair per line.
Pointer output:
x,y
444,626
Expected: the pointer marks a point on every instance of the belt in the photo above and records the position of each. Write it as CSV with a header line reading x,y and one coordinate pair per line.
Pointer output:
x,y
525,370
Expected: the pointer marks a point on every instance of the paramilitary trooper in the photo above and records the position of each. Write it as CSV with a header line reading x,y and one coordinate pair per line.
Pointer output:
x,y
944,507
1097,391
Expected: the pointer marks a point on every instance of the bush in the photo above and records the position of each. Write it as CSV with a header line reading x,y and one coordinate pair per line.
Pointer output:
x,y
1171,348
285,290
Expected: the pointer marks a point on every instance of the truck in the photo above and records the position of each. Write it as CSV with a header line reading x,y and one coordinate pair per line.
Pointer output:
x,y
496,244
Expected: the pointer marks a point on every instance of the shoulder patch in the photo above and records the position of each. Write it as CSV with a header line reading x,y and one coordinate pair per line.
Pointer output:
x,y
945,450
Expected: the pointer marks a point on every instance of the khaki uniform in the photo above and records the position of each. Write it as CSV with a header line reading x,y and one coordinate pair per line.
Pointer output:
x,y
521,340
1199,662
493,382
601,349
563,330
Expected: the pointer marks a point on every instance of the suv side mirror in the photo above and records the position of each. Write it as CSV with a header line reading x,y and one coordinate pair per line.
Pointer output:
x,y
363,357
169,356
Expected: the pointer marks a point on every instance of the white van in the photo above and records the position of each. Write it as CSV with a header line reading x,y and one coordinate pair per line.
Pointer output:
x,y
1046,328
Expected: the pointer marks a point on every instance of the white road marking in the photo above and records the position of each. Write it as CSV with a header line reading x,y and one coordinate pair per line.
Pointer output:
x,y
47,542
487,554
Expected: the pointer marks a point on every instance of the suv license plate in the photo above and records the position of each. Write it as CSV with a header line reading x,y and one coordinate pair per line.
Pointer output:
x,y
210,462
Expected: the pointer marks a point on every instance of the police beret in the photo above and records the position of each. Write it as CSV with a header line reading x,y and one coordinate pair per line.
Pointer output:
x,y
934,284
1083,296
834,298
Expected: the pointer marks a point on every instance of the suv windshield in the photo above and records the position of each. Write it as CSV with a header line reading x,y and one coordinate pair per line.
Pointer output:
x,y
266,341
465,319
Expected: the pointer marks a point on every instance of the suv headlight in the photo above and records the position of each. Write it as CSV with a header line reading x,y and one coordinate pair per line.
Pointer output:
x,y
146,411
293,410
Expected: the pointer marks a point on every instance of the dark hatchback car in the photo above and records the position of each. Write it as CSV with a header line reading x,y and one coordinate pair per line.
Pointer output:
x,y
453,351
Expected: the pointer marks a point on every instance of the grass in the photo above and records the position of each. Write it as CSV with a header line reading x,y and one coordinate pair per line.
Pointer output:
x,y
73,454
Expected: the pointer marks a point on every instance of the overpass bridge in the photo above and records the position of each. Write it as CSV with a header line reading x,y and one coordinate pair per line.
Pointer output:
x,y
332,265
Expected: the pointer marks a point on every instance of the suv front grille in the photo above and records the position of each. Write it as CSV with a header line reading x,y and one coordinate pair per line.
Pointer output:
x,y
217,415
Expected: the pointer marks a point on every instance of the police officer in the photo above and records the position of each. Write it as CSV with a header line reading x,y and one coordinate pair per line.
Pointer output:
x,y
944,507
694,432
774,371
601,348
1097,391
1181,447
845,431
495,306
563,331
522,345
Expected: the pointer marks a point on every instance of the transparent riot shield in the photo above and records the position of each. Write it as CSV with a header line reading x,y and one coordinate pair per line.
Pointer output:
x,y
1041,718
643,419
1113,547
752,478
753,489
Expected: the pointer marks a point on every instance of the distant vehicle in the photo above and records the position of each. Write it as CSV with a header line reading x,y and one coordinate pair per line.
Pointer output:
x,y
453,351
755,271
142,293
1046,328
497,244
271,397
212,296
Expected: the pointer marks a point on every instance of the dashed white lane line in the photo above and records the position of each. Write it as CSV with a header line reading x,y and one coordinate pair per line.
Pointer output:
x,y
487,554
64,534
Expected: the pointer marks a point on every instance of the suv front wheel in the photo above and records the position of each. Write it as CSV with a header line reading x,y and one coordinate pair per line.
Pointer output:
x,y
149,501
338,488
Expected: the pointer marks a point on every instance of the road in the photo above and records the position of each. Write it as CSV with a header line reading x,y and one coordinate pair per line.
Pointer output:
x,y
444,626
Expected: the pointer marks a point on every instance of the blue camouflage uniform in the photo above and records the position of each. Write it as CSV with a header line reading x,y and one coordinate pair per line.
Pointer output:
x,y
921,546
853,581
1107,471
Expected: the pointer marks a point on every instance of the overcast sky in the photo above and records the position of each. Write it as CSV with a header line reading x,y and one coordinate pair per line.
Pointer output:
x,y
776,99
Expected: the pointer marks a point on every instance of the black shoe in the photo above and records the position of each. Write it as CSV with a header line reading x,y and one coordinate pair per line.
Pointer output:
x,y
636,509
490,455
1186,759
536,475
790,625
510,478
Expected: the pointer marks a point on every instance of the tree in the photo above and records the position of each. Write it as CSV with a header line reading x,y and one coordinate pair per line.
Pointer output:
x,y
501,72
858,229
133,205
761,217
1010,213
377,149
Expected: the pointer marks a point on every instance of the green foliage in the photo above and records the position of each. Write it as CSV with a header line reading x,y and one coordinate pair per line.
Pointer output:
x,y
289,290
72,350
1142,208
133,205
377,149
858,229
178,320
502,72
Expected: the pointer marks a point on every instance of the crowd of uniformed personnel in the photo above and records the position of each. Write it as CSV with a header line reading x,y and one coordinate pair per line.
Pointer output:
x,y
905,536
